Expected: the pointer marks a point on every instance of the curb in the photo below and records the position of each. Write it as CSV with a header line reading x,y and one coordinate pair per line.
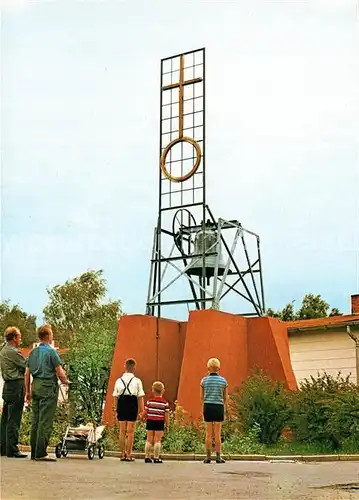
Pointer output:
x,y
190,457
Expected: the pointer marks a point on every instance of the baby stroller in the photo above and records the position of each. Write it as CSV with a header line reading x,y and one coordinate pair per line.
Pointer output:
x,y
87,437
83,438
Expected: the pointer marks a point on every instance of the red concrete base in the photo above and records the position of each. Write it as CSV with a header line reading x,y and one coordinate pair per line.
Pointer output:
x,y
177,352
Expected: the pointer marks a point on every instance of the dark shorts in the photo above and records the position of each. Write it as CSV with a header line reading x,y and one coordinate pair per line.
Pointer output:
x,y
155,425
127,408
213,412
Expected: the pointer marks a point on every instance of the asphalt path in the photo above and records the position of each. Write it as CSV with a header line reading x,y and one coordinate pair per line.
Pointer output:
x,y
77,478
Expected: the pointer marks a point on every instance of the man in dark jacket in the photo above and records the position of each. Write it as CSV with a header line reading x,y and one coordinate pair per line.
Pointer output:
x,y
12,365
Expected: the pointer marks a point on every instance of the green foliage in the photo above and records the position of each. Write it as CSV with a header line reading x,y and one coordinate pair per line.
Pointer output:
x,y
78,303
87,325
313,306
324,417
335,312
326,411
286,314
89,364
25,428
183,437
140,437
263,403
15,316
245,443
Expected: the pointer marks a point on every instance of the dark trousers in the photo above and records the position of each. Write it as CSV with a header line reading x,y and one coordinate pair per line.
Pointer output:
x,y
44,395
13,397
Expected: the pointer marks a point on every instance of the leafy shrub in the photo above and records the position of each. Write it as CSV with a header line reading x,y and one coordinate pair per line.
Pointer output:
x,y
326,411
188,437
140,437
89,362
244,443
182,436
25,428
263,402
323,416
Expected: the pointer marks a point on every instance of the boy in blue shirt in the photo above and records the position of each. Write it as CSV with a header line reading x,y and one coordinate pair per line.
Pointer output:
x,y
214,393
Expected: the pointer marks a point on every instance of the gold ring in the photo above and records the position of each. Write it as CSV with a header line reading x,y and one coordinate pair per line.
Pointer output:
x,y
193,169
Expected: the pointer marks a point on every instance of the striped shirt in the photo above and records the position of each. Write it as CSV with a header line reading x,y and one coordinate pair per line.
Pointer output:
x,y
213,388
156,408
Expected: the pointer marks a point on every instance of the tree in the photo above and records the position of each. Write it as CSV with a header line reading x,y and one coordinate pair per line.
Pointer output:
x,y
89,369
313,306
78,303
287,313
335,312
87,324
15,316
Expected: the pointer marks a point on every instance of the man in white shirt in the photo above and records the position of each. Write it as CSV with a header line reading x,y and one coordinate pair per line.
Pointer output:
x,y
128,404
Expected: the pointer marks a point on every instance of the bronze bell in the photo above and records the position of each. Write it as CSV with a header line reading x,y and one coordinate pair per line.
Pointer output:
x,y
206,242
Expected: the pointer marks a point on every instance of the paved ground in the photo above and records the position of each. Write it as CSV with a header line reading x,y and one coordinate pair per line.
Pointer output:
x,y
78,478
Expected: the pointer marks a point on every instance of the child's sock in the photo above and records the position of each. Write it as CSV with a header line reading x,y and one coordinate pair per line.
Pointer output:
x,y
148,448
209,453
157,450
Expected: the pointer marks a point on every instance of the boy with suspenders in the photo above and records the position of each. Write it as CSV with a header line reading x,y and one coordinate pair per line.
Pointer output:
x,y
129,404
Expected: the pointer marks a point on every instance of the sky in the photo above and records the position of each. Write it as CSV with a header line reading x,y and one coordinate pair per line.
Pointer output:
x,y
80,134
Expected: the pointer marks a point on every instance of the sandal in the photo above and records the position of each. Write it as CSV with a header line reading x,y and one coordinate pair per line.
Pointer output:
x,y
129,459
157,461
220,460
148,460
207,461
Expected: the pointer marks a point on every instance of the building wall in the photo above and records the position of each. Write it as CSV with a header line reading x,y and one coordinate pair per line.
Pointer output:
x,y
314,351
157,346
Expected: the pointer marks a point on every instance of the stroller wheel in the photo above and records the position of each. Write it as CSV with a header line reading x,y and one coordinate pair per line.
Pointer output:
x,y
101,451
91,452
58,450
65,452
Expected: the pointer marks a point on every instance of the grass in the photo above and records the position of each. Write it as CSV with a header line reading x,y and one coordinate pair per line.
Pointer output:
x,y
186,439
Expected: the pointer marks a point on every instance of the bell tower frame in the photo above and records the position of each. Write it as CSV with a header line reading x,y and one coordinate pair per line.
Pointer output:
x,y
183,212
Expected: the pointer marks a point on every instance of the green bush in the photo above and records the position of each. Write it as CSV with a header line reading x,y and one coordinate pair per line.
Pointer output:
x,y
326,412
111,437
25,428
244,443
323,417
264,404
188,438
182,436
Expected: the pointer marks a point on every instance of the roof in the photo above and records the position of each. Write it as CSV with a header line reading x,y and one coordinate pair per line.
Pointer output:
x,y
25,351
332,322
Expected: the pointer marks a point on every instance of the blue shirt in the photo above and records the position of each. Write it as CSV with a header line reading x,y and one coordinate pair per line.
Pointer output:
x,y
213,388
42,362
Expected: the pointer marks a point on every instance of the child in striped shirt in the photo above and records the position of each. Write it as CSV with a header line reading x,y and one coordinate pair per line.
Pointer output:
x,y
214,391
157,418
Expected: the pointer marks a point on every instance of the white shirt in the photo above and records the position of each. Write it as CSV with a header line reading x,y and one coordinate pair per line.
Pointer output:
x,y
135,387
